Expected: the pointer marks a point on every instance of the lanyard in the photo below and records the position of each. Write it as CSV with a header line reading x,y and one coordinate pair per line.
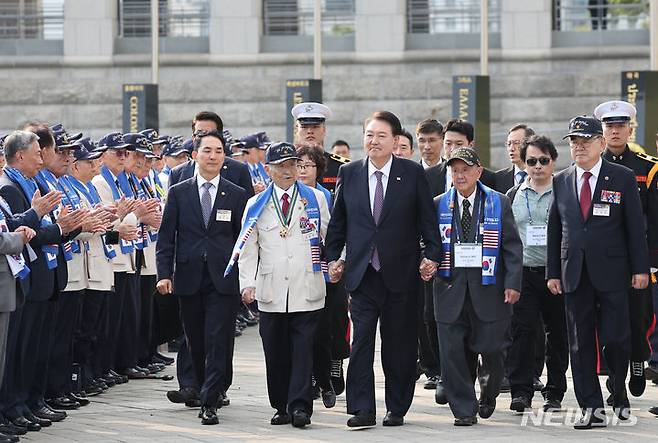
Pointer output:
x,y
285,221
527,205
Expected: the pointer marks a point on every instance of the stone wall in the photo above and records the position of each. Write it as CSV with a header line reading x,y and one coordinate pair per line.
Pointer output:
x,y
543,90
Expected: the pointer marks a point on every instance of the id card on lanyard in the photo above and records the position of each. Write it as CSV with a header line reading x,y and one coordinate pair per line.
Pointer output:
x,y
535,234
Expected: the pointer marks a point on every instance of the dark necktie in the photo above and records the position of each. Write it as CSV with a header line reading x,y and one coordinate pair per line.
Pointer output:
x,y
520,176
206,203
285,207
466,220
376,214
585,195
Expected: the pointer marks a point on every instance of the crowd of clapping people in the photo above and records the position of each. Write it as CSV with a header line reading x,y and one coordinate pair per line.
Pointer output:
x,y
117,246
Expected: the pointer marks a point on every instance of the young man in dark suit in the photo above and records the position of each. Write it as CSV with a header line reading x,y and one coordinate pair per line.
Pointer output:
x,y
597,251
382,265
506,178
200,224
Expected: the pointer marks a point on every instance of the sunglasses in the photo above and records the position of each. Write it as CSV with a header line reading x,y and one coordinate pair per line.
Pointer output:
x,y
542,161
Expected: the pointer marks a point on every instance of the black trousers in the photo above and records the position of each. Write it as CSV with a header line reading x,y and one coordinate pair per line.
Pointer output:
x,y
209,324
128,333
91,339
537,302
640,303
61,354
613,325
42,350
146,294
398,318
460,343
14,367
428,341
288,347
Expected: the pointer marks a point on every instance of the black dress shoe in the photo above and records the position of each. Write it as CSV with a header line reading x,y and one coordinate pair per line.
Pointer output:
x,y
329,398
392,420
43,422
63,403
465,421
134,374
22,422
652,410
487,407
300,418
183,395
82,399
46,413
440,394
224,400
11,430
92,390
337,376
5,438
193,403
154,368
590,420
209,415
280,418
146,371
109,381
362,419
552,405
537,385
166,360
637,383
121,378
56,411
519,404
431,382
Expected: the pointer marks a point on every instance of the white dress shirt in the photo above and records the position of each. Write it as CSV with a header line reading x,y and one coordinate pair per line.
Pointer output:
x,y
372,179
470,198
200,181
425,165
516,171
279,194
596,169
448,178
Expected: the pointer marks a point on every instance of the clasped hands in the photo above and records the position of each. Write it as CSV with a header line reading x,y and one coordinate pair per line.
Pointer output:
x,y
427,269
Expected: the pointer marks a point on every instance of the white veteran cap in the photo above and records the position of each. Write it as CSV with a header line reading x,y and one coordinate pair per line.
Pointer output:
x,y
311,113
615,111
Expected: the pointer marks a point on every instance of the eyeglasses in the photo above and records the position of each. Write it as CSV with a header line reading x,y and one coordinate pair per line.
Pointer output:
x,y
303,166
512,143
542,161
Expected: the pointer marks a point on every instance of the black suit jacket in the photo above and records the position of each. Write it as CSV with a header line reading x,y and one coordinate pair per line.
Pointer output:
x,y
44,283
504,179
233,171
407,215
613,248
436,178
184,240
488,301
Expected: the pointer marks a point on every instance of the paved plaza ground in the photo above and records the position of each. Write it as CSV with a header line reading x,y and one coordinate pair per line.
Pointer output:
x,y
139,412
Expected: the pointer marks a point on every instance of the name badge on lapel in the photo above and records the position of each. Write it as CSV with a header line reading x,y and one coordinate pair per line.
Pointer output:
x,y
601,210
611,197
223,215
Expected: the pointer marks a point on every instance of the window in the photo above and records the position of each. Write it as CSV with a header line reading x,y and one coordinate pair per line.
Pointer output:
x,y
178,18
295,17
32,19
600,15
449,16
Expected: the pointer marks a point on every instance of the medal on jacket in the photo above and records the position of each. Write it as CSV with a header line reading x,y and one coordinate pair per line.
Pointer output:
x,y
285,221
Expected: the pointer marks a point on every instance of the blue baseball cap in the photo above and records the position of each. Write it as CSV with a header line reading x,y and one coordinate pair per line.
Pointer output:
x,y
58,127
63,141
188,145
138,142
280,152
153,137
113,140
87,150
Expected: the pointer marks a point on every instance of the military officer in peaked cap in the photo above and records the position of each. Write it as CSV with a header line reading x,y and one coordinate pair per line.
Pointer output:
x,y
616,117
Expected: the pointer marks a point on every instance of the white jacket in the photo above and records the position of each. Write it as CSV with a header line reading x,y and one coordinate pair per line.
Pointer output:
x,y
281,268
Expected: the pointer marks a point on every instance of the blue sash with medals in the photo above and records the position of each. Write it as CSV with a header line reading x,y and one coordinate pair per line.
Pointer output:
x,y
309,224
48,180
29,187
126,246
16,261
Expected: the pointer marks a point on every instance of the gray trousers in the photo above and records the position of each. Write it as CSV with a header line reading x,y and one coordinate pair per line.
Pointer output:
x,y
4,330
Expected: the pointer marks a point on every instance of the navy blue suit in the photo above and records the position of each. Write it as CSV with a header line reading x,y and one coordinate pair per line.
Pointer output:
x,y
194,257
390,294
594,258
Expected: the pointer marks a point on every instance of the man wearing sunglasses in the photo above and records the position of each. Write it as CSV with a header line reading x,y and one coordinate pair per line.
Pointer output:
x,y
531,200
616,116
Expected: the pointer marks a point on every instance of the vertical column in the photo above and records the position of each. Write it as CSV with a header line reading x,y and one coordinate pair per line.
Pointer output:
x,y
526,24
380,25
235,26
90,31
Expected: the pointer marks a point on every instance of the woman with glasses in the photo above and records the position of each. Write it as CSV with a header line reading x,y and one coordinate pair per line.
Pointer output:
x,y
531,200
331,345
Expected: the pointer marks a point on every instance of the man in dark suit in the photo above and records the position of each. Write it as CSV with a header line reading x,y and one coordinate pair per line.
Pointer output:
x,y
381,266
594,224
200,225
238,174
506,178
479,279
